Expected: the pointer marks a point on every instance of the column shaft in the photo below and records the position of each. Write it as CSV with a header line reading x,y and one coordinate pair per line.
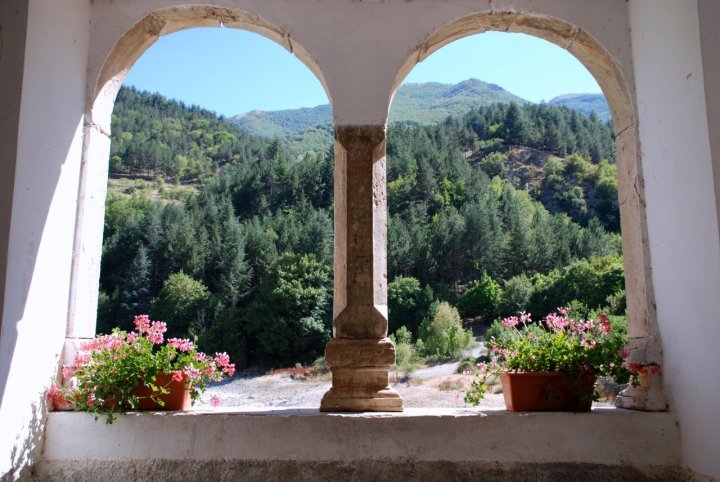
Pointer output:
x,y
360,355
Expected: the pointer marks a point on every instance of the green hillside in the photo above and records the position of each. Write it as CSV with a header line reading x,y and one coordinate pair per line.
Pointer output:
x,y
310,129
282,123
432,102
585,104
522,197
425,103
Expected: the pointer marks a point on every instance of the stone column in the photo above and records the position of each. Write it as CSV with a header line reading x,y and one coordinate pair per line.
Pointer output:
x,y
644,346
360,354
87,246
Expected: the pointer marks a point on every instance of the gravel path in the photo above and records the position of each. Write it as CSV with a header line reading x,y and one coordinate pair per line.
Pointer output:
x,y
436,386
447,369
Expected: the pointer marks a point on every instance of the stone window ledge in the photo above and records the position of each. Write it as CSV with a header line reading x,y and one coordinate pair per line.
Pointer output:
x,y
605,436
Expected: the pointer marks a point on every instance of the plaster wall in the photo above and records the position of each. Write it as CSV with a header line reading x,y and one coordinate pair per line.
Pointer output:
x,y
13,25
359,48
46,161
682,215
709,16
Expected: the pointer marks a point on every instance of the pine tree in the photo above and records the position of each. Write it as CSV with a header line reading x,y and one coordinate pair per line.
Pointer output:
x,y
134,297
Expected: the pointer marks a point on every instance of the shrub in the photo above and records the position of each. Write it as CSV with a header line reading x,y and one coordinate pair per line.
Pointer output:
x,y
405,354
516,295
288,319
588,281
182,303
450,384
617,303
467,364
446,337
494,164
407,303
579,309
483,299
495,330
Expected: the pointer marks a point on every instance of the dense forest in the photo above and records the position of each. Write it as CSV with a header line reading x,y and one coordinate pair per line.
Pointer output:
x,y
506,208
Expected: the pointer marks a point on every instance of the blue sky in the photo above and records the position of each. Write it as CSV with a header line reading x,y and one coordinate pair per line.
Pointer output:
x,y
232,71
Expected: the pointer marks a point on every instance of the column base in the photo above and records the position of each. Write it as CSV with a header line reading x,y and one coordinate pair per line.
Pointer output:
x,y
648,397
360,370
387,400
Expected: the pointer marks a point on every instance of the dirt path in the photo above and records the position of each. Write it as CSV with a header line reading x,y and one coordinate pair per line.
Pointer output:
x,y
447,369
436,386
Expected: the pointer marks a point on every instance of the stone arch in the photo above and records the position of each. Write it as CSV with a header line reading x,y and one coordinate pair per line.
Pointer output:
x,y
644,342
145,32
100,99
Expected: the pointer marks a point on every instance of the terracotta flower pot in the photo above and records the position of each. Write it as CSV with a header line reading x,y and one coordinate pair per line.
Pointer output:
x,y
177,399
547,391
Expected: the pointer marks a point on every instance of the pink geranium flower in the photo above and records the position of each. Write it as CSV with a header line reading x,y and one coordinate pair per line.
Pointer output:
x,y
589,345
605,325
556,322
560,344
222,359
182,344
107,369
55,397
67,372
510,321
155,332
142,323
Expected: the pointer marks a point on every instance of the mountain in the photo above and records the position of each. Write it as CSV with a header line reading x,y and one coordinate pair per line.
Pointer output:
x,y
585,103
310,128
424,103
432,102
282,123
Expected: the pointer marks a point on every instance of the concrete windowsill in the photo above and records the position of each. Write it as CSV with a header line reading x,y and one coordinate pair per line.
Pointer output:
x,y
602,436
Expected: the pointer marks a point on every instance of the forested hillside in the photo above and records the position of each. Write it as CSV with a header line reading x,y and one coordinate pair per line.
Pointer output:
x,y
423,103
283,123
585,104
154,136
515,201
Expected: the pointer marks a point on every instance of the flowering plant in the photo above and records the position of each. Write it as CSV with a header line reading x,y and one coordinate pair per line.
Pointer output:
x,y
106,370
558,344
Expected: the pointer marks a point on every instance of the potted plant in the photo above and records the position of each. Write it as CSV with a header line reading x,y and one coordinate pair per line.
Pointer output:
x,y
138,371
552,365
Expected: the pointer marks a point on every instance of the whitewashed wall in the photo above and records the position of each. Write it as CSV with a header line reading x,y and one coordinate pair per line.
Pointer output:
x,y
682,215
359,47
47,158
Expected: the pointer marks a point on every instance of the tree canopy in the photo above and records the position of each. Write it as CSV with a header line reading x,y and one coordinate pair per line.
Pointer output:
x,y
499,209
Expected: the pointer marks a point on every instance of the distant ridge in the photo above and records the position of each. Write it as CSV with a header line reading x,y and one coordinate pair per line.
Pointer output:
x,y
282,123
310,128
584,103
422,103
431,102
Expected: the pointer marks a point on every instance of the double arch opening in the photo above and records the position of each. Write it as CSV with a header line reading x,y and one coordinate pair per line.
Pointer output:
x,y
644,341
